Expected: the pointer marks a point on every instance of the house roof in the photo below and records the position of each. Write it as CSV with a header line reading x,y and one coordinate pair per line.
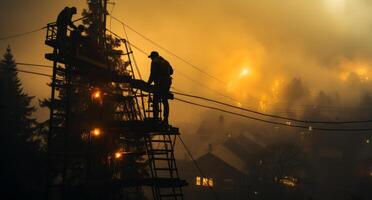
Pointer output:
x,y
237,152
244,147
228,157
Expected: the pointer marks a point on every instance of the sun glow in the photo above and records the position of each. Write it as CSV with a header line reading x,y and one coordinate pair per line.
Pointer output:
x,y
245,72
335,6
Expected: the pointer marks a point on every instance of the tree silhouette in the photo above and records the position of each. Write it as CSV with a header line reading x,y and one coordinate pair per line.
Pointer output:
x,y
22,162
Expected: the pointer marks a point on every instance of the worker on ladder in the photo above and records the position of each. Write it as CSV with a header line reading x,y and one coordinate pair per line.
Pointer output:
x,y
160,74
64,20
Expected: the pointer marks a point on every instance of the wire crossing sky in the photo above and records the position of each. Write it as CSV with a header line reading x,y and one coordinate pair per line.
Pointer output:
x,y
256,48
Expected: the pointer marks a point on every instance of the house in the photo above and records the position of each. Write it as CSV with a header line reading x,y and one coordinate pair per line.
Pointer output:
x,y
225,171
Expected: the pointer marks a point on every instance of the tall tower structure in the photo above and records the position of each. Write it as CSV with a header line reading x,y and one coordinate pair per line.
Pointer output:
x,y
103,141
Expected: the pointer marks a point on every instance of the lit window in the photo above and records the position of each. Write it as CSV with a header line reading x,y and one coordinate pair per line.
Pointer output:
x,y
210,183
198,180
205,182
289,181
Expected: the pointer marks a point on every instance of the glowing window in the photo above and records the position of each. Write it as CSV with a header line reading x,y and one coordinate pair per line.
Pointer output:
x,y
289,181
210,183
205,182
198,180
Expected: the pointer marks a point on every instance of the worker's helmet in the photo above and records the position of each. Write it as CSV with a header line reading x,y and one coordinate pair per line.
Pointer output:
x,y
73,10
154,54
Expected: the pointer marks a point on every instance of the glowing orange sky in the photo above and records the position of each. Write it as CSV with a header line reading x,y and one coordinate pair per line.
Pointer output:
x,y
320,41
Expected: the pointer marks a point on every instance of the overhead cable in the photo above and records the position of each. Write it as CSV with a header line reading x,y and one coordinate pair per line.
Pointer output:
x,y
271,115
276,123
170,52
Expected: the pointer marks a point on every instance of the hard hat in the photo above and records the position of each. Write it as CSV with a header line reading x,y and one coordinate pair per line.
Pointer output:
x,y
73,10
154,54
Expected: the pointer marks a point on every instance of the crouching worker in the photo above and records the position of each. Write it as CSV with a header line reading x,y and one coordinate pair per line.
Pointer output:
x,y
77,38
160,74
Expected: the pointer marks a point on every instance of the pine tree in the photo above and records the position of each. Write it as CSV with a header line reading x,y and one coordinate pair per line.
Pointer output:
x,y
16,104
22,164
86,114
133,167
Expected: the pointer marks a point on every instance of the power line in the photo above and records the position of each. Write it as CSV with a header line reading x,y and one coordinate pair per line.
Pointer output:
x,y
130,49
274,116
222,110
142,51
206,87
272,122
21,34
189,63
33,31
34,65
196,164
170,52
179,72
26,71
125,40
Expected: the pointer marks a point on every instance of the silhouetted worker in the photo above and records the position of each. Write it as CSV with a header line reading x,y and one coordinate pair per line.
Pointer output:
x,y
77,37
64,20
77,34
161,72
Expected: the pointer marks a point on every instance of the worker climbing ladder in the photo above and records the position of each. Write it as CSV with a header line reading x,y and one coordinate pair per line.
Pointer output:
x,y
132,149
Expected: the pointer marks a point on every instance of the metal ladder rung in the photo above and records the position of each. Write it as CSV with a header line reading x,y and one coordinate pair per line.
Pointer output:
x,y
166,141
170,159
165,169
161,151
171,195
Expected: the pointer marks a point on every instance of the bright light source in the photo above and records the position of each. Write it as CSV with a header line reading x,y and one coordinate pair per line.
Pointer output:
x,y
198,181
204,182
361,71
210,183
335,6
245,72
96,94
96,132
368,141
118,155
288,181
